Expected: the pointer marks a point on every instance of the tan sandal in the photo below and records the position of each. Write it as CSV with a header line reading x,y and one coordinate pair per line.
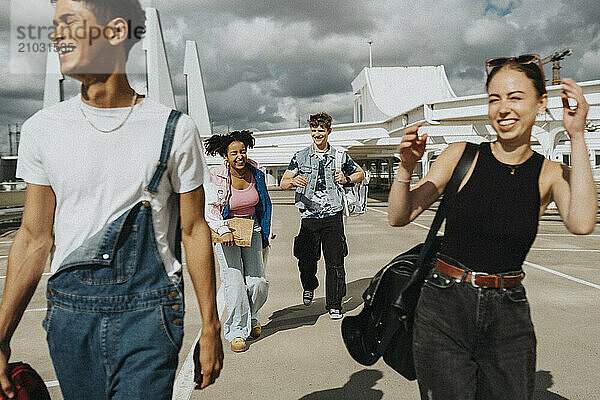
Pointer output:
x,y
238,345
255,331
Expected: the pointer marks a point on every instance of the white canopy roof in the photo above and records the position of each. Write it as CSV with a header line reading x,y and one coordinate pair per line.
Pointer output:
x,y
395,90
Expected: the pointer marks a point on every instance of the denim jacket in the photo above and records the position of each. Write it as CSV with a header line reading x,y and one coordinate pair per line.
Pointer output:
x,y
218,193
308,167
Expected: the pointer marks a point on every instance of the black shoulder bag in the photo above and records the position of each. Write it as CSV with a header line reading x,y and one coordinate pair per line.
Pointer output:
x,y
384,326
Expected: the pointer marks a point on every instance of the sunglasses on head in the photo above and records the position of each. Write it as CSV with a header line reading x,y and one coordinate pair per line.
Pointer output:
x,y
522,59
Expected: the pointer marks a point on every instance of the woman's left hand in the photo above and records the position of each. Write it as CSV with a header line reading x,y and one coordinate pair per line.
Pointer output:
x,y
574,118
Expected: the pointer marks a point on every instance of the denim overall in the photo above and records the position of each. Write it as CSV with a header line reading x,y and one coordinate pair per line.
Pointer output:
x,y
115,318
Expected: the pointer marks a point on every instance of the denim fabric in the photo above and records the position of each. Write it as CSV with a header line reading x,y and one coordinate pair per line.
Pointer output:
x,y
473,343
115,318
327,232
308,166
245,286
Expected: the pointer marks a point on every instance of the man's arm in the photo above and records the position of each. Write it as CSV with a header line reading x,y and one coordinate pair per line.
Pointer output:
x,y
26,262
200,263
290,180
356,177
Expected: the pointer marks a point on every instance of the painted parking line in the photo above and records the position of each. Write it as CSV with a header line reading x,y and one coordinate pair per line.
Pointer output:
x,y
569,277
43,274
562,275
413,222
567,234
36,310
567,250
184,382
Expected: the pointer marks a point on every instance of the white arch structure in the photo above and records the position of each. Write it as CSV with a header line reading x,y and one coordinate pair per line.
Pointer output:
x,y
386,100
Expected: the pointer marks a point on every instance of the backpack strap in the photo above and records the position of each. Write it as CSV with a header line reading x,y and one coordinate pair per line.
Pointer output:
x,y
167,143
339,158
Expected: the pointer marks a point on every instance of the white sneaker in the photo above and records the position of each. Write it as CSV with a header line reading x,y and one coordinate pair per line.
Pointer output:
x,y
334,313
307,297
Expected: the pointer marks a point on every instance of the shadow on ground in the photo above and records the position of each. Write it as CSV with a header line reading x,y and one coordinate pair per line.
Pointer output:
x,y
300,315
543,382
359,386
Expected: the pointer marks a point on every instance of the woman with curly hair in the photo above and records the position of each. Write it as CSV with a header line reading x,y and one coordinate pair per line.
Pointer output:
x,y
238,189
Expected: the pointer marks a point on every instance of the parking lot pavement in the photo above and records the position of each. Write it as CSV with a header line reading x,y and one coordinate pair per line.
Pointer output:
x,y
300,354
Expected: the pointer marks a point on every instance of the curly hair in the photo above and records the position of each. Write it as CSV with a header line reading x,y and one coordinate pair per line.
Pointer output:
x,y
218,144
130,10
323,119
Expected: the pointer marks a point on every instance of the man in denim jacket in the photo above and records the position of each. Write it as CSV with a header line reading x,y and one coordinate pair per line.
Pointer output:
x,y
312,171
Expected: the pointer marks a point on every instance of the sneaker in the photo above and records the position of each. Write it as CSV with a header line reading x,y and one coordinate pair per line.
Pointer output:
x,y
335,313
256,330
238,345
307,297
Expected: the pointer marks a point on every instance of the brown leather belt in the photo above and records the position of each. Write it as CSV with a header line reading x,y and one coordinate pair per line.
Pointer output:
x,y
479,278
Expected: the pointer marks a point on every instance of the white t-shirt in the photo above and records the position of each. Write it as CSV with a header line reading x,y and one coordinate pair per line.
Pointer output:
x,y
98,176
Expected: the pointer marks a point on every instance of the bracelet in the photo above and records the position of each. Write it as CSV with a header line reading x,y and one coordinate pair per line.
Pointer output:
x,y
403,180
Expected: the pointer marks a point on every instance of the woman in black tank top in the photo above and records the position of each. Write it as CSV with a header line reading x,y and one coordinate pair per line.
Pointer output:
x,y
473,335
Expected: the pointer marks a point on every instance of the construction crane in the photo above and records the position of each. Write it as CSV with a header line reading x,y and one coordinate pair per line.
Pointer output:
x,y
555,59
590,127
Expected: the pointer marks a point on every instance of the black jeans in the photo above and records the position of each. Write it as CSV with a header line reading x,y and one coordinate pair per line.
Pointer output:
x,y
473,343
327,232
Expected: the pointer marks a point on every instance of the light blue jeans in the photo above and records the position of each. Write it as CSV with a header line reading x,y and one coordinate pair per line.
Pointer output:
x,y
244,283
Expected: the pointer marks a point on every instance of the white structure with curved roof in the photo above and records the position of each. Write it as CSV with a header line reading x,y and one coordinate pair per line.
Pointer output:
x,y
383,92
386,101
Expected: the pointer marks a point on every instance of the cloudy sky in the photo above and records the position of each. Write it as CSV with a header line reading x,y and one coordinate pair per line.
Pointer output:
x,y
269,63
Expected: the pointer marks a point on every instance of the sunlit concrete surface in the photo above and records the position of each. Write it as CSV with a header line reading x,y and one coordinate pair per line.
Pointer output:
x,y
300,354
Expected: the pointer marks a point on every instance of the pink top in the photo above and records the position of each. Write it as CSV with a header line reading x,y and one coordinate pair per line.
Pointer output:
x,y
242,202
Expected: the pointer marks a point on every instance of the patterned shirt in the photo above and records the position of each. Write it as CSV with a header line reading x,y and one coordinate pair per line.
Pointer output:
x,y
320,206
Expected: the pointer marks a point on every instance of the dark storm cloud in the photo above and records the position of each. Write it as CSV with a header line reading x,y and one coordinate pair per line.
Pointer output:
x,y
326,17
316,78
268,64
242,106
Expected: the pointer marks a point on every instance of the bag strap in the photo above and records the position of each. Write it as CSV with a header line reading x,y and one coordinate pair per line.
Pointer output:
x,y
167,143
339,157
459,173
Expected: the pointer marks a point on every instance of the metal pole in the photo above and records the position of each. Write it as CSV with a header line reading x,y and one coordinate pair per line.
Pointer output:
x,y
10,149
370,53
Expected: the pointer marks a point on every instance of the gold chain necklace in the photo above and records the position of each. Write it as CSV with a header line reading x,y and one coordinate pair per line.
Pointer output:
x,y
135,97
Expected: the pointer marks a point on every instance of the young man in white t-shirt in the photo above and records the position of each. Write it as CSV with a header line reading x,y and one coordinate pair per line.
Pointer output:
x,y
94,190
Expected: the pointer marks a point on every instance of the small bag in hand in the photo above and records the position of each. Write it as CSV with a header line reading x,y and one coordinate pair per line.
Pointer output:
x,y
28,384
